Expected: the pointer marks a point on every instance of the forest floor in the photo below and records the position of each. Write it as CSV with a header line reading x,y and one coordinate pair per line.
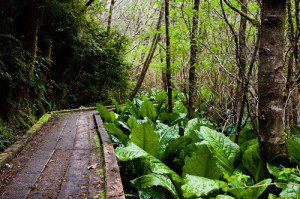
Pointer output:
x,y
62,161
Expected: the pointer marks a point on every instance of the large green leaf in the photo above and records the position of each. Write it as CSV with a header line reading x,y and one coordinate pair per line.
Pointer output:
x,y
247,144
248,133
202,163
116,104
153,180
143,135
113,130
156,166
191,126
246,192
148,110
152,193
293,146
130,152
252,162
175,146
195,186
104,113
166,133
226,152
133,110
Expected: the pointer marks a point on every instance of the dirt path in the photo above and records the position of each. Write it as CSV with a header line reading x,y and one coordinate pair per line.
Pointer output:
x,y
63,161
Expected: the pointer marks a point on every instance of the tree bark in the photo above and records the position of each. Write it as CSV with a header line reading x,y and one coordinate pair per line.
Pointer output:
x,y
168,56
150,55
111,7
28,28
242,61
271,81
193,61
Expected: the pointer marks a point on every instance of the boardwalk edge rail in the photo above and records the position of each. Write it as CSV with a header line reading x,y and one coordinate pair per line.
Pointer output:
x,y
114,187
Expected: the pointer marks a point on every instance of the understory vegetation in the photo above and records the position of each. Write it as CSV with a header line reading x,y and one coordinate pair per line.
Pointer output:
x,y
168,155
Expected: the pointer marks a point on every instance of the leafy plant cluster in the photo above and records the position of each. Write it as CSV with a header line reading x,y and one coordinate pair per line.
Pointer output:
x,y
176,157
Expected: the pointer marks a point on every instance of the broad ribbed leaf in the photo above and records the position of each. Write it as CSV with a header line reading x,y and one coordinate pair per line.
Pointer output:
x,y
201,163
133,110
252,162
148,110
293,146
153,180
144,136
130,152
246,144
225,151
113,130
248,133
175,146
246,192
155,165
104,113
152,193
116,104
131,122
166,133
195,186
191,126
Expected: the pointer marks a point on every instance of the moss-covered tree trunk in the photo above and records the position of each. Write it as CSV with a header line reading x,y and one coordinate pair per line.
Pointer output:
x,y
168,56
271,80
193,60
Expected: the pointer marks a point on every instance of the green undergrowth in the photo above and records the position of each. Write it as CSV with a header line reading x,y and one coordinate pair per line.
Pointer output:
x,y
7,136
168,155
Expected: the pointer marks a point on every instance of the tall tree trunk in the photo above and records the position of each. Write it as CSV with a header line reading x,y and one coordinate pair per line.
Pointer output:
x,y
27,33
242,62
168,56
28,29
163,71
290,77
271,81
150,55
193,61
111,7
297,64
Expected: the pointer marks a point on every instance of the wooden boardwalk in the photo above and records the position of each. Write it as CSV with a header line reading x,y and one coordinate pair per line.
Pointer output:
x,y
64,160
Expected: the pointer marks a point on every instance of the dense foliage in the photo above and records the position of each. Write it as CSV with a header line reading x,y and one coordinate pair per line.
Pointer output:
x,y
171,156
75,61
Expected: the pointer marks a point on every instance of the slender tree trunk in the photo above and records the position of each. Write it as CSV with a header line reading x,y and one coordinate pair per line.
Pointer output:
x,y
193,61
271,80
150,55
111,7
163,71
27,33
242,62
168,56
28,28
